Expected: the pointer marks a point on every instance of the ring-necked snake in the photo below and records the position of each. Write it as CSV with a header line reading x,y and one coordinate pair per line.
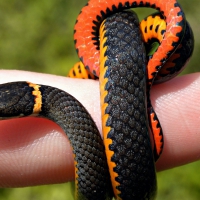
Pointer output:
x,y
117,55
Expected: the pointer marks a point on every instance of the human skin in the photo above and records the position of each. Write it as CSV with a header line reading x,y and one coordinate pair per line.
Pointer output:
x,y
35,151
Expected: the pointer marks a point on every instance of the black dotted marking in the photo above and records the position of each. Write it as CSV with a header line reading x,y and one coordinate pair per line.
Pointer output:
x,y
156,29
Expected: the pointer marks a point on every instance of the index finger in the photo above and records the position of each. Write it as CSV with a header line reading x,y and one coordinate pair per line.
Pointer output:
x,y
51,159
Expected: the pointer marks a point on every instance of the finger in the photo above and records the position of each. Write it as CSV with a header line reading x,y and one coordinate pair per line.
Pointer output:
x,y
168,100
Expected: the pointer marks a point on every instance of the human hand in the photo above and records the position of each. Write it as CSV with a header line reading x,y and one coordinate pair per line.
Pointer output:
x,y
35,151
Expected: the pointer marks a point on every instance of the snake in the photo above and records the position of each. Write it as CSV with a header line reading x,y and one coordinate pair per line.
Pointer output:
x,y
113,46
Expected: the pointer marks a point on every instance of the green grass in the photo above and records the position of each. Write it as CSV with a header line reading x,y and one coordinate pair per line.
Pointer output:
x,y
38,36
178,183
51,192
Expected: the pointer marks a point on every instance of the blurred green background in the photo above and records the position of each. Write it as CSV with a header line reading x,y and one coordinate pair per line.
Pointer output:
x,y
38,36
